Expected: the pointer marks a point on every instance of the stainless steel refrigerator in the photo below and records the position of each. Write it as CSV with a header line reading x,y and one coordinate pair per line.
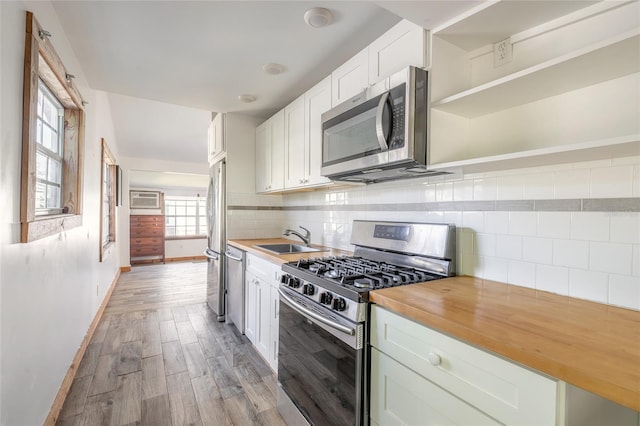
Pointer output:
x,y
216,238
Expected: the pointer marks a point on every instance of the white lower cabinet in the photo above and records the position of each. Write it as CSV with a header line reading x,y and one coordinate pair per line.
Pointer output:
x,y
399,396
261,307
451,382
422,377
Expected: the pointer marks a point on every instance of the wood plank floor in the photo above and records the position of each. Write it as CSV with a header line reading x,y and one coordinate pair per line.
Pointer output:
x,y
159,357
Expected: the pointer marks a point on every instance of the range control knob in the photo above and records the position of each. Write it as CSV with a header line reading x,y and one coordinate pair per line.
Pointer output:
x,y
308,289
326,298
339,304
294,282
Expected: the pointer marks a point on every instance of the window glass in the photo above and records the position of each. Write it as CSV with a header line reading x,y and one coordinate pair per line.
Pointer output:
x,y
185,216
49,143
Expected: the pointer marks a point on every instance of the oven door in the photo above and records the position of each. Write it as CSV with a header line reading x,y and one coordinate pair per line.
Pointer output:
x,y
321,362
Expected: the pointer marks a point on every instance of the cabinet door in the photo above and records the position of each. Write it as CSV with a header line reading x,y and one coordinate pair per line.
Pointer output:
x,y
350,78
263,157
263,325
277,151
403,45
294,136
251,306
400,396
274,308
317,101
215,135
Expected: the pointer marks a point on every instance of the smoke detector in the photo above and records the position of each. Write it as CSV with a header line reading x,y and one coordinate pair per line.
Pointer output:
x,y
318,17
273,68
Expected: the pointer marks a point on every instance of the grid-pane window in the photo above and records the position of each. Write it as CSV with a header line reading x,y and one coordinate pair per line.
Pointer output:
x,y
49,151
185,216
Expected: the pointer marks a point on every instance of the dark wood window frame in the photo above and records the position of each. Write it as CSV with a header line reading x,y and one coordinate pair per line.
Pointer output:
x,y
107,175
42,62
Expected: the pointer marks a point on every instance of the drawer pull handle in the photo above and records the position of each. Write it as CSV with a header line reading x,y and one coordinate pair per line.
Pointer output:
x,y
434,358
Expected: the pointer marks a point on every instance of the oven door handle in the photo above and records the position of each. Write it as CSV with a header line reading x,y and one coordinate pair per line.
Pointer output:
x,y
382,139
309,313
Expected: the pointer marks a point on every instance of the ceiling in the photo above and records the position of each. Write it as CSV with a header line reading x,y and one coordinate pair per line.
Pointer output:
x,y
168,64
145,179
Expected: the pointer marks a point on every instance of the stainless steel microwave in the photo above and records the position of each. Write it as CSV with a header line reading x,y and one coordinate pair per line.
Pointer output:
x,y
379,134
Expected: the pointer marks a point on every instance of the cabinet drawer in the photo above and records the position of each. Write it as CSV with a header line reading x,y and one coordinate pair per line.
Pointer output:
x,y
505,391
146,250
140,219
401,397
146,241
146,232
264,269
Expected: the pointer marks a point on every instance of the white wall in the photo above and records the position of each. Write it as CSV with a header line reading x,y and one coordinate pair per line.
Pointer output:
x,y
592,255
51,288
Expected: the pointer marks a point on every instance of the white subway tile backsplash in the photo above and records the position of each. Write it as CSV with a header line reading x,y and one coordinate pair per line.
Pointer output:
x,y
433,217
496,222
444,191
485,244
428,194
589,285
509,246
454,218
571,253
465,241
572,184
522,273
625,227
494,269
609,182
538,186
554,279
473,220
554,224
485,188
593,226
624,290
611,257
523,223
463,190
510,187
537,250
635,261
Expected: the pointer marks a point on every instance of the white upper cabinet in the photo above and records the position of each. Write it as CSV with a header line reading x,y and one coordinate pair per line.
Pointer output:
x,y
317,101
215,136
303,137
350,78
294,142
270,154
404,44
569,90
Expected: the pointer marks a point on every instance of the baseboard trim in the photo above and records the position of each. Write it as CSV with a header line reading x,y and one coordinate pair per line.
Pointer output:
x,y
65,387
125,269
185,259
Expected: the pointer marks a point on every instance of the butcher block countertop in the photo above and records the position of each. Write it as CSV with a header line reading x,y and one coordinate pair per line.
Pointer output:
x,y
593,346
250,246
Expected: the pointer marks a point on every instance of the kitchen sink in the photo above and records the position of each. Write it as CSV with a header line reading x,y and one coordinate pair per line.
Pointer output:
x,y
288,248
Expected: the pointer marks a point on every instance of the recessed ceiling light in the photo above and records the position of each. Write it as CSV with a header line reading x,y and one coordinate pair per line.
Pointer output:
x,y
273,68
246,98
318,17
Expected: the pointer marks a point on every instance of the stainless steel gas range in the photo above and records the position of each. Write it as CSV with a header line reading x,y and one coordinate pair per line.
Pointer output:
x,y
323,330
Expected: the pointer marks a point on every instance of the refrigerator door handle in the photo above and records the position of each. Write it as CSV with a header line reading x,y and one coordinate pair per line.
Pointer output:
x,y
211,255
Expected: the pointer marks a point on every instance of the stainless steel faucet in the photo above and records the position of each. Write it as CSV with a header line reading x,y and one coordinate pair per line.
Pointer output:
x,y
306,238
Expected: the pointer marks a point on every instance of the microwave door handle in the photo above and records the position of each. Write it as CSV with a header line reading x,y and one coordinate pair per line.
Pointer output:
x,y
382,140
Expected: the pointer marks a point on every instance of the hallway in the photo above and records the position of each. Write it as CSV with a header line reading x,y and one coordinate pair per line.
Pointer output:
x,y
159,357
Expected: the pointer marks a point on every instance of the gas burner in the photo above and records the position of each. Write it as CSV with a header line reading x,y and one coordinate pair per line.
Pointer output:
x,y
333,273
363,283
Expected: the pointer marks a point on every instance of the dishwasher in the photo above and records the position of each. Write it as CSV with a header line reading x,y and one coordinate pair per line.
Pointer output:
x,y
235,287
